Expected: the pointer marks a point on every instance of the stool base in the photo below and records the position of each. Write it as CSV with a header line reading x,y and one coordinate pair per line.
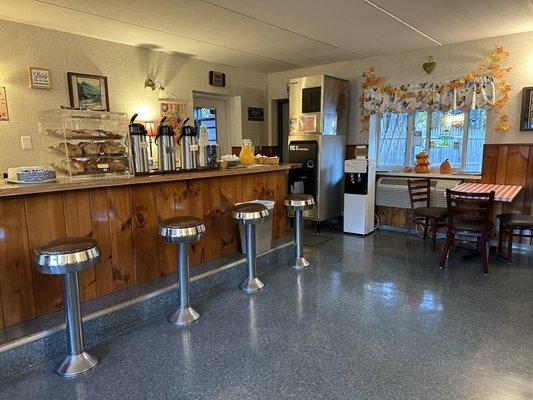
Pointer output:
x,y
184,316
299,263
252,285
73,366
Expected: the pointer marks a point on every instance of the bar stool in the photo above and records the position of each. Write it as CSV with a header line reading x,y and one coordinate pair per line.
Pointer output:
x,y
67,257
298,202
250,214
182,231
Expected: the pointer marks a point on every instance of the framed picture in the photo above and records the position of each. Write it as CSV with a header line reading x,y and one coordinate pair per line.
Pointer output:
x,y
256,114
88,92
526,114
4,114
40,78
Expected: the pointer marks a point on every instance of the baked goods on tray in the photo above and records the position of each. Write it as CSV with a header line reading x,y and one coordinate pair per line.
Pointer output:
x,y
72,166
91,149
83,134
73,150
112,148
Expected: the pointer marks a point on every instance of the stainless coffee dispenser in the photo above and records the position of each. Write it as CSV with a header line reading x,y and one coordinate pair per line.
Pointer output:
x,y
139,146
188,142
166,147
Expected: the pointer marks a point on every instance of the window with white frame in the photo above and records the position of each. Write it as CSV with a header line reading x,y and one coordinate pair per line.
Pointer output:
x,y
454,135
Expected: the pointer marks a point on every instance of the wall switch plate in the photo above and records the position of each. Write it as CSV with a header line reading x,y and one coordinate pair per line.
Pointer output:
x,y
25,141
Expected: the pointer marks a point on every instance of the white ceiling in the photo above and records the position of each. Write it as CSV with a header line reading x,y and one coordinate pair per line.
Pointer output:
x,y
275,35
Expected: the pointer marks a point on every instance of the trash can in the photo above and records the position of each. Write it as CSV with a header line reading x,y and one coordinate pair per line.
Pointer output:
x,y
263,231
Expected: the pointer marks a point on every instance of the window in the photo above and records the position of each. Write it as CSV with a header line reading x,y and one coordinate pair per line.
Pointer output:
x,y
454,135
206,117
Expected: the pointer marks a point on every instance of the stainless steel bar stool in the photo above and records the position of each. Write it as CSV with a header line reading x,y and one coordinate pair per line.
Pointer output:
x,y
182,231
250,214
67,257
298,202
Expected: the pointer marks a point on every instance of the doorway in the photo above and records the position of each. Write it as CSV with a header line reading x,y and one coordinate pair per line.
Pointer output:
x,y
213,113
283,129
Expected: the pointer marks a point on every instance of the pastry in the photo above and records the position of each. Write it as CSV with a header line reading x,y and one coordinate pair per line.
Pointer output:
x,y
72,166
70,149
111,148
115,164
91,165
91,149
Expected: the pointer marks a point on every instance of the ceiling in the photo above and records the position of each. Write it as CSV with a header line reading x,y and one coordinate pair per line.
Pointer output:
x,y
276,35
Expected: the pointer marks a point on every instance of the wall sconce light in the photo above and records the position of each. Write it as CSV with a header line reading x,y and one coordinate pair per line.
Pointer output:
x,y
150,84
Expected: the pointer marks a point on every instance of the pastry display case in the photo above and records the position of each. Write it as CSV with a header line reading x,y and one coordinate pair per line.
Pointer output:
x,y
84,144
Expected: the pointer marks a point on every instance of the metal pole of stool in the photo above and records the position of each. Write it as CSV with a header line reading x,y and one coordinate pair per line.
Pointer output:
x,y
299,261
71,294
252,283
185,314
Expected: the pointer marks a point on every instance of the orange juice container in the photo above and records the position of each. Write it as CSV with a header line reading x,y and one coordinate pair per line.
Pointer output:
x,y
246,156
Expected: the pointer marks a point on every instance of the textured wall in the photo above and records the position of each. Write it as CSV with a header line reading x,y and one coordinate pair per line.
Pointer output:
x,y
406,67
126,68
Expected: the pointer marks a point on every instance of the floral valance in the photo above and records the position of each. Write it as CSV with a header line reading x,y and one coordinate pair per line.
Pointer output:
x,y
479,92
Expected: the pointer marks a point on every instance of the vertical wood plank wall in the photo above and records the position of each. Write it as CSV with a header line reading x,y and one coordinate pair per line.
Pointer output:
x,y
123,220
510,164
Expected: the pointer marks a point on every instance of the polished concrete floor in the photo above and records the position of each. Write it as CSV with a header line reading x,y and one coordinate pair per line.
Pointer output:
x,y
371,319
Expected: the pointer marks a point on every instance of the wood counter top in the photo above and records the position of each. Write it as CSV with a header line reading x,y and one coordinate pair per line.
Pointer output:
x,y
14,189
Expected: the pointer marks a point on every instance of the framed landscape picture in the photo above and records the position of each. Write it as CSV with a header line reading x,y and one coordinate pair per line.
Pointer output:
x,y
88,92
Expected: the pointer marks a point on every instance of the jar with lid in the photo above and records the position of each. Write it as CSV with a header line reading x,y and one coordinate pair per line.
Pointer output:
x,y
246,156
211,154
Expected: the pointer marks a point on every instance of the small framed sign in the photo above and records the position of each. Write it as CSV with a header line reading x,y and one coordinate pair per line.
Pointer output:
x,y
217,78
40,78
256,114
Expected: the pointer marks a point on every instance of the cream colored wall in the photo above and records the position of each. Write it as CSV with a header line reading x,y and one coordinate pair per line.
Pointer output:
x,y
126,68
406,67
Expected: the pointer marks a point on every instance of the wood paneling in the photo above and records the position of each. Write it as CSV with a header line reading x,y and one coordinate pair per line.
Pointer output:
x,y
16,286
45,221
124,221
101,233
78,222
120,220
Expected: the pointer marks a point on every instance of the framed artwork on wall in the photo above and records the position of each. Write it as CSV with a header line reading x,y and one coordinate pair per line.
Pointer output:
x,y
88,92
526,114
4,114
40,78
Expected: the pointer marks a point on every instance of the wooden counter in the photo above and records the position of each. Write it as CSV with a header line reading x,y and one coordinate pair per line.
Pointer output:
x,y
122,215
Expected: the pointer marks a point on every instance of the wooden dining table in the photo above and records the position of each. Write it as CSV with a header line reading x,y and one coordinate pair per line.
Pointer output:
x,y
503,193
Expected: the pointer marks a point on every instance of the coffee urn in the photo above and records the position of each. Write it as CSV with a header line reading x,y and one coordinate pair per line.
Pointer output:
x,y
166,147
188,142
139,146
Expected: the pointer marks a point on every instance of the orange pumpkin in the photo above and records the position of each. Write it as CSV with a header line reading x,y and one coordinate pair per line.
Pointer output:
x,y
445,167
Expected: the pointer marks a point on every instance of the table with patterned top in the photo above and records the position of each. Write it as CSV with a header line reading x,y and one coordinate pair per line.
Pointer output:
x,y
503,193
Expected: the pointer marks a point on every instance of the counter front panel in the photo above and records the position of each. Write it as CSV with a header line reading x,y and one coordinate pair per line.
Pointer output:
x,y
123,220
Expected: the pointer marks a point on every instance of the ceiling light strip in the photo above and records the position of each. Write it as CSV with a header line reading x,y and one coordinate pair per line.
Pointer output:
x,y
166,32
282,28
400,20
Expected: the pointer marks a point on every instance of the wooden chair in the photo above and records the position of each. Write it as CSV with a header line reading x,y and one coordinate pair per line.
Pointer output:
x,y
421,210
508,224
469,214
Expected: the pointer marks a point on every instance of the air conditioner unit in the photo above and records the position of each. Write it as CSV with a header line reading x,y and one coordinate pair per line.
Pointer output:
x,y
393,191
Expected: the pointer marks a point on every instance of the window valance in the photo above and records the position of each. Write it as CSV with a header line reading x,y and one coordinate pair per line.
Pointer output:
x,y
479,92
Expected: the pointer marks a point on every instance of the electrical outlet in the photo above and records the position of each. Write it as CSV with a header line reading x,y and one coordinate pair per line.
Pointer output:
x,y
25,141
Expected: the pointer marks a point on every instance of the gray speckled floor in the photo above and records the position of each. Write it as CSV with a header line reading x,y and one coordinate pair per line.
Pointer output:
x,y
370,319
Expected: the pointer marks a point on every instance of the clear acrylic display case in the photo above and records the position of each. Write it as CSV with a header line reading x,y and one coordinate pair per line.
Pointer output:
x,y
84,144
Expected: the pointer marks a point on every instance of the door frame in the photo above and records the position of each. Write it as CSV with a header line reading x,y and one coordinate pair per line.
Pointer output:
x,y
281,139
228,120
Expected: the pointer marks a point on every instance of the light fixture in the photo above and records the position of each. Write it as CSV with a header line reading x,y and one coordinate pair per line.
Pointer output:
x,y
150,84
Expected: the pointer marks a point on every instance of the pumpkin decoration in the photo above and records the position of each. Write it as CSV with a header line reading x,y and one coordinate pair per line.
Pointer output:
x,y
445,167
422,163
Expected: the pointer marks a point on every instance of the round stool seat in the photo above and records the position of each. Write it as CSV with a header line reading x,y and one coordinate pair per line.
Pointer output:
x,y
62,256
517,220
300,201
181,229
250,213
